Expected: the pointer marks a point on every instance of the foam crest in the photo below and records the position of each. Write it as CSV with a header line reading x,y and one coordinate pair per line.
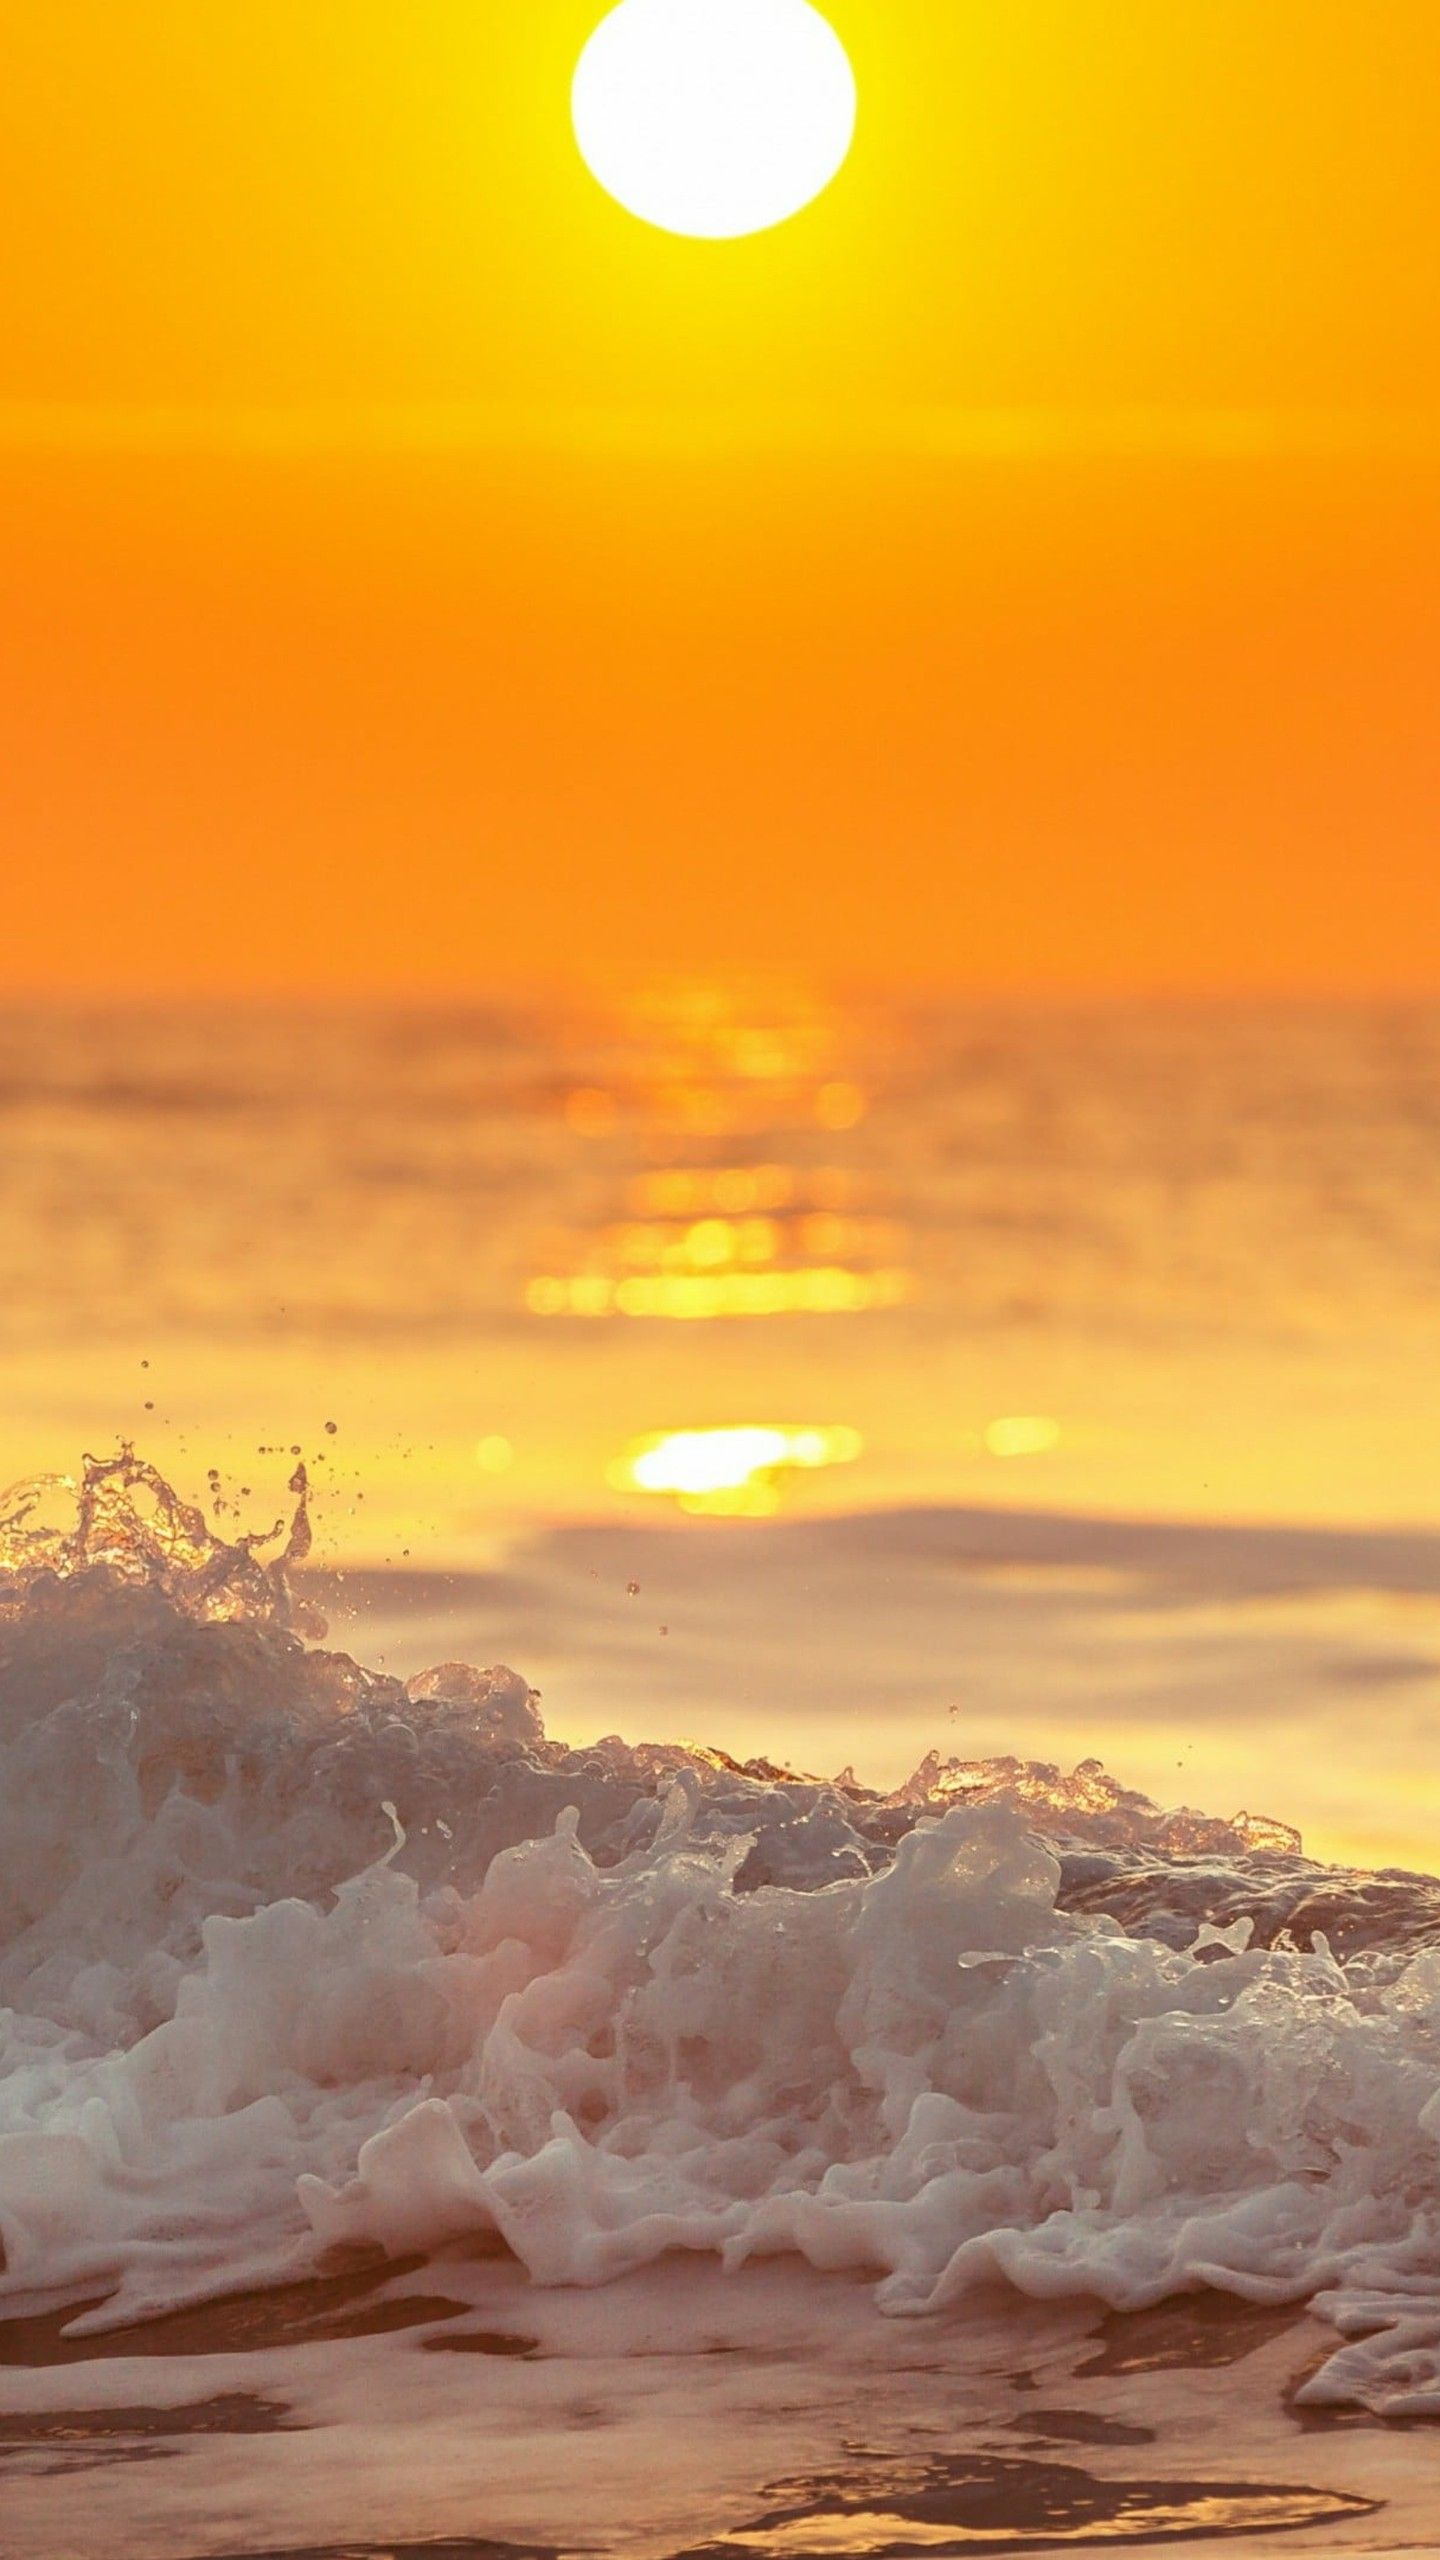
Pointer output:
x,y
296,1957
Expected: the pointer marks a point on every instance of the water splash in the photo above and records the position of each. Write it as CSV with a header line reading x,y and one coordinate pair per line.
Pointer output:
x,y
131,1528
293,1954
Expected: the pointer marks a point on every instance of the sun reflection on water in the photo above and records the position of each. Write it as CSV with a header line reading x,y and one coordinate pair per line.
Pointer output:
x,y
824,1290
737,1471
733,1153
697,1237
1022,1435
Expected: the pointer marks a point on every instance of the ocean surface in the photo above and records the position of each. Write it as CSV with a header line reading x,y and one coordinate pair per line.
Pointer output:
x,y
421,2135
838,1951
839,1378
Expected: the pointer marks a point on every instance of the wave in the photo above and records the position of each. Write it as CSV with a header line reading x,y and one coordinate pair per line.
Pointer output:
x,y
294,1957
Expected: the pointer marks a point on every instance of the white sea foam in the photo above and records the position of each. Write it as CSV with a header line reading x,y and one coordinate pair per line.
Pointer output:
x,y
293,1956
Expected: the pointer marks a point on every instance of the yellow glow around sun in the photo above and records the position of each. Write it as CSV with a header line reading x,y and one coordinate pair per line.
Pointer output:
x,y
714,118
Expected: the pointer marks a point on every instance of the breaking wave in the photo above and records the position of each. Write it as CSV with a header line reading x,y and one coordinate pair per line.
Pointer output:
x,y
294,1956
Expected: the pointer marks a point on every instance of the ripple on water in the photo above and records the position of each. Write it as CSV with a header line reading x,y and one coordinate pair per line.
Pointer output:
x,y
989,2503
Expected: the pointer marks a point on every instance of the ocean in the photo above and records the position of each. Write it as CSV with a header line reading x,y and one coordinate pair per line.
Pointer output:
x,y
901,2011
1061,1382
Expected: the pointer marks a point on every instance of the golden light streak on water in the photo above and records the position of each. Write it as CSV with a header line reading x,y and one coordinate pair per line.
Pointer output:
x,y
688,1191
822,1289
736,1471
752,1078
1023,1435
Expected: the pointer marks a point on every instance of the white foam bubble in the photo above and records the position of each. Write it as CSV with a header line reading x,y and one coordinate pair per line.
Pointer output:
x,y
295,1957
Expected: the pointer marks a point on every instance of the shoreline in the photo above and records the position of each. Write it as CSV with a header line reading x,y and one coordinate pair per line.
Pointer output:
x,y
682,2411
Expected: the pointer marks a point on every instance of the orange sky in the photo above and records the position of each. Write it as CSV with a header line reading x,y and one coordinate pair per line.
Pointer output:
x,y
1023,569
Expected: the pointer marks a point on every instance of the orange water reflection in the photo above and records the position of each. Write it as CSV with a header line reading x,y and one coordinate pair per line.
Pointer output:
x,y
708,1227
736,1472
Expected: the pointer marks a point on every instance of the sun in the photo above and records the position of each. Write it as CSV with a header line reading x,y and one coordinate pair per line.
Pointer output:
x,y
714,118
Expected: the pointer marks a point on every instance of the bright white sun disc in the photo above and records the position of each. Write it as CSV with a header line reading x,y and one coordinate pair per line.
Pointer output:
x,y
714,117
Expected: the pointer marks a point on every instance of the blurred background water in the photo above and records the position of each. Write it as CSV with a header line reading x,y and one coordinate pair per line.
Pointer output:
x,y
688,1272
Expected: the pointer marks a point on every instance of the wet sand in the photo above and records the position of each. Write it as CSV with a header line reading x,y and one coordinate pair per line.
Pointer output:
x,y
451,2409
354,2302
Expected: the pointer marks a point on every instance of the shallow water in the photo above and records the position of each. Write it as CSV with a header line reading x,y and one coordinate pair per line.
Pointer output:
x,y
300,1959
680,2410
1236,1665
